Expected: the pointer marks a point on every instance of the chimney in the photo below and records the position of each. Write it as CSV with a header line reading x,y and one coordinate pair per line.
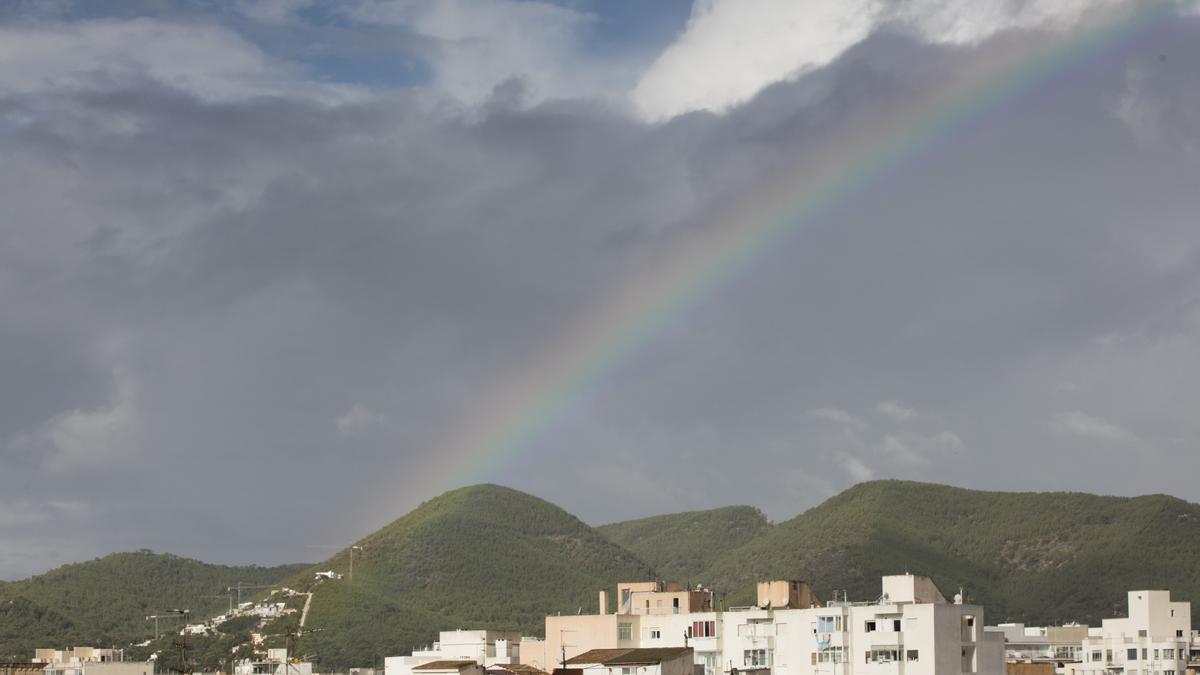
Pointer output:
x,y
603,602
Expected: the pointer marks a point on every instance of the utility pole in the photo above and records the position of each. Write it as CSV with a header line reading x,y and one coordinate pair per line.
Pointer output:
x,y
182,642
227,594
241,586
164,614
562,646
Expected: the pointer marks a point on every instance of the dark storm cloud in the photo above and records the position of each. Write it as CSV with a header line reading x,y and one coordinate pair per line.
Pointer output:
x,y
210,300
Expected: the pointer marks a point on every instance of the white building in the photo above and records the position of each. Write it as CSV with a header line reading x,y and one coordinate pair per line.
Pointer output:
x,y
911,629
276,663
1154,640
483,647
90,661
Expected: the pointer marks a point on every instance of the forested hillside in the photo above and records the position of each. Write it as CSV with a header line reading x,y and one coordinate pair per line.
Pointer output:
x,y
682,546
106,601
481,557
491,557
1032,557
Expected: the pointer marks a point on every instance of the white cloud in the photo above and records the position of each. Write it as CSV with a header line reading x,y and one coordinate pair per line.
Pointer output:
x,y
919,448
856,468
1139,111
840,417
732,49
201,59
1075,423
477,46
358,421
896,412
88,437
273,11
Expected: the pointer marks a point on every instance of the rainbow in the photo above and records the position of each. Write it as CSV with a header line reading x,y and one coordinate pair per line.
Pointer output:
x,y
537,396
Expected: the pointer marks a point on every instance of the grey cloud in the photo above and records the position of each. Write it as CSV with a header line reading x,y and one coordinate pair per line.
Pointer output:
x,y
262,268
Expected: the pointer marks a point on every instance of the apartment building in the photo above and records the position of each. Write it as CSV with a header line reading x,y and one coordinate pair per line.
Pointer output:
x,y
1042,644
1155,639
910,629
485,648
277,662
89,661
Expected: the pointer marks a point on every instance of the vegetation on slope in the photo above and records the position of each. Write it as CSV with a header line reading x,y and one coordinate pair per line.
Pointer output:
x,y
480,557
681,546
106,601
491,557
1032,557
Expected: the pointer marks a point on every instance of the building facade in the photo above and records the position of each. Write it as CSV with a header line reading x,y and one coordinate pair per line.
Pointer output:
x,y
1155,639
483,647
910,629
89,661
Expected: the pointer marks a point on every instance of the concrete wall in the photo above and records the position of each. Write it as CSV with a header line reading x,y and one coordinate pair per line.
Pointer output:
x,y
785,594
576,634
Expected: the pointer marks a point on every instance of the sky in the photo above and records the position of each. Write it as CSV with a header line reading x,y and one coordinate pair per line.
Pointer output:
x,y
264,265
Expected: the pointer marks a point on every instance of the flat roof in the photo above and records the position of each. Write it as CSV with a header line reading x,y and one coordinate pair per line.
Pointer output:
x,y
458,664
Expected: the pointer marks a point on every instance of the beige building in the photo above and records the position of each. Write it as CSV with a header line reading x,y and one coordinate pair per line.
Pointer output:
x,y
658,597
910,629
21,668
1042,644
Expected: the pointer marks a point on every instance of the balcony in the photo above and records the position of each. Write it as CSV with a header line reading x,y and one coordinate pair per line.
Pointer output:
x,y
756,630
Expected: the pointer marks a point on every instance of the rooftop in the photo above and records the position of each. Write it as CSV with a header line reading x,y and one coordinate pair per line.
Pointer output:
x,y
629,657
457,664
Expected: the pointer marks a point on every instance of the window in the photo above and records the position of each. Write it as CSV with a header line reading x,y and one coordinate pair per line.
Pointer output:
x,y
1143,653
1178,633
1096,655
912,655
829,655
624,631
1131,654
1169,654
655,634
704,629
883,655
896,625
1108,656
1156,657
829,624
970,621
756,658
870,626
626,671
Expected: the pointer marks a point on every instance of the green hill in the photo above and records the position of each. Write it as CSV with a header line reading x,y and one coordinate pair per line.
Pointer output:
x,y
106,601
491,557
681,546
481,557
1032,557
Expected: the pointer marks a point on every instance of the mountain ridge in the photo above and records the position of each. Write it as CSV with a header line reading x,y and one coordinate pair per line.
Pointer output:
x,y
488,556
